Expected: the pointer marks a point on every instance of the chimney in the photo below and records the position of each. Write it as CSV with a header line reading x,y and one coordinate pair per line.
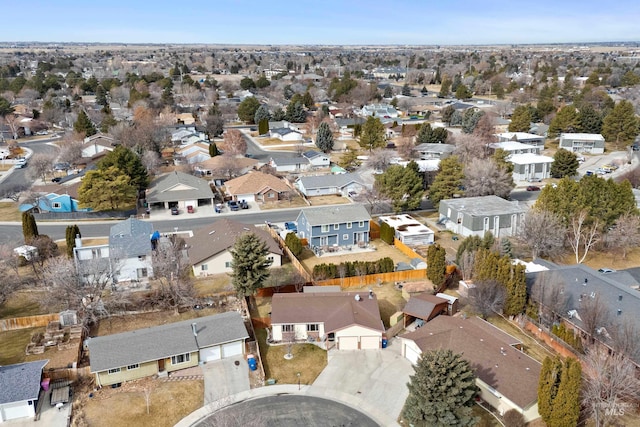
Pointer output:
x,y
78,241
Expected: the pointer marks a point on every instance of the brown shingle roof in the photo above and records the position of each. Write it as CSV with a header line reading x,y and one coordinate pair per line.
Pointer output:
x,y
336,310
423,306
488,350
254,183
219,161
220,236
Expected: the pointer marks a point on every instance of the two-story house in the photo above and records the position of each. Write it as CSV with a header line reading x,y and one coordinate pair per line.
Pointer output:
x,y
130,250
341,225
592,143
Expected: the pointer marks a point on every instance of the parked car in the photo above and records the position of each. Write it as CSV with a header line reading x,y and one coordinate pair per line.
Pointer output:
x,y
21,163
243,204
56,179
233,205
580,159
291,226
533,188
190,209
175,211
606,270
588,173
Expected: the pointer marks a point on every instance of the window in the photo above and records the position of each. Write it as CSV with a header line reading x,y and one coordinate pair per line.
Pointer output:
x,y
313,327
361,224
325,228
204,267
270,258
227,264
142,257
132,367
336,226
142,272
181,358
56,205
114,371
345,237
287,328
349,225
271,195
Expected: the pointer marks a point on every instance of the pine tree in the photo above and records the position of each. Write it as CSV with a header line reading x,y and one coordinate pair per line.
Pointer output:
x,y
406,90
372,134
621,124
324,138
506,248
520,119
293,243
565,121
589,120
403,185
430,135
548,386
84,125
516,298
262,113
448,181
565,411
250,264
29,227
442,391
71,233
213,149
436,265
565,163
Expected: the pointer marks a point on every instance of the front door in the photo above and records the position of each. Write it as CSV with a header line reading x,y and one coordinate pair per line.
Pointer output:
x,y
161,365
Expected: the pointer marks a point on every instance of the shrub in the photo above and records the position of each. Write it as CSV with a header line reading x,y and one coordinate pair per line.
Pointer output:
x,y
387,233
350,269
513,418
293,243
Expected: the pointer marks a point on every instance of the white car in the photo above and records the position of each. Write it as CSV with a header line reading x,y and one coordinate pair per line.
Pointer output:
x,y
21,163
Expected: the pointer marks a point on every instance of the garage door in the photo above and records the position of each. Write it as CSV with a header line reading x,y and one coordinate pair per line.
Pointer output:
x,y
348,343
232,349
411,354
370,343
210,353
16,410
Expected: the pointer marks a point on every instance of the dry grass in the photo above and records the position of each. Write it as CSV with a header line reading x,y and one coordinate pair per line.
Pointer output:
x,y
309,360
14,344
609,259
334,199
6,167
263,304
295,202
531,346
169,402
9,212
210,285
21,304
309,260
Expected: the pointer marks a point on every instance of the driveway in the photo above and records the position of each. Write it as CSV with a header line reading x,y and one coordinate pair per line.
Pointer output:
x,y
224,378
379,377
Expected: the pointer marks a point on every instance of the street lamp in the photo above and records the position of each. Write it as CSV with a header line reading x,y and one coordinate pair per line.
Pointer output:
x,y
298,374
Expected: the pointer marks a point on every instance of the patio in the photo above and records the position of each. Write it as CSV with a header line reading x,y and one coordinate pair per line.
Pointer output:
x,y
372,252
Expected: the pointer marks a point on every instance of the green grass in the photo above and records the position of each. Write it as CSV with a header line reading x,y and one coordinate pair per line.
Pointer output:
x,y
14,343
308,359
20,304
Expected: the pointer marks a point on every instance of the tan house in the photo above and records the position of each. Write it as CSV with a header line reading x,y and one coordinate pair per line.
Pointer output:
x,y
347,320
162,349
507,377
257,187
209,247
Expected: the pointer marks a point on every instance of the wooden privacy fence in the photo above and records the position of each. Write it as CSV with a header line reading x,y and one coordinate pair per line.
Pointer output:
x,y
371,279
374,230
406,249
294,261
28,322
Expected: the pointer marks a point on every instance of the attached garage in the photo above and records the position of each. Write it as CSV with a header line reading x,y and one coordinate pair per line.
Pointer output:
x,y
11,411
211,353
370,343
411,354
232,349
20,402
348,343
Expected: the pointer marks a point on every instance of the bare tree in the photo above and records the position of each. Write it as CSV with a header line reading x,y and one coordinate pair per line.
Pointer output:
x,y
549,293
469,147
35,199
40,164
594,315
228,166
625,338
234,143
582,237
70,151
380,159
407,148
373,198
483,177
610,383
625,234
151,161
487,297
543,232
485,129
171,268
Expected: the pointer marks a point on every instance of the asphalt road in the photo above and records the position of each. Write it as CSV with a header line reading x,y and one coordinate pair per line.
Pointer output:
x,y
19,178
288,411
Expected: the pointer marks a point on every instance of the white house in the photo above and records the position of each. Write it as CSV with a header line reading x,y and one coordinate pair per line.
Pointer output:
x,y
380,110
20,389
529,166
317,159
515,147
469,216
285,134
408,230
522,137
290,164
592,143
96,144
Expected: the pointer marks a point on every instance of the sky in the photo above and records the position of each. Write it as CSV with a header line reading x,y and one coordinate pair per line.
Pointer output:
x,y
334,22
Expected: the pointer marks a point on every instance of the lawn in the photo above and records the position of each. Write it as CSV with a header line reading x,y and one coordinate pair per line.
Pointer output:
x,y
211,285
21,304
9,212
308,359
169,402
309,260
14,344
333,199
295,202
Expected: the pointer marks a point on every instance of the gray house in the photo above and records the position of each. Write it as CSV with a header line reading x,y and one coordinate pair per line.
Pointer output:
x,y
178,189
476,215
523,138
340,225
592,143
130,250
20,389
321,185
434,151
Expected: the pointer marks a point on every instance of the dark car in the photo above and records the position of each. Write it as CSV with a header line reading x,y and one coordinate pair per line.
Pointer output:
x,y
243,204
233,205
175,210
533,188
56,179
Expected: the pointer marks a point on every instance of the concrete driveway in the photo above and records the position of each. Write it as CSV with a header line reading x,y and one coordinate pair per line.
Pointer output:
x,y
224,378
378,377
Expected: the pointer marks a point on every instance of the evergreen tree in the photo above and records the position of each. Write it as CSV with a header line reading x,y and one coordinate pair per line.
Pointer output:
x,y
307,100
372,134
621,124
430,135
262,113
406,90
101,96
566,121
262,82
589,120
548,386
436,265
445,87
463,92
403,185
388,92
107,189
29,227
447,114
71,233
520,119
247,109
296,112
506,249
470,119
293,243
324,138
448,180
516,297
213,149
442,391
247,83
250,264
84,125
565,163
565,411
278,114
263,127
129,163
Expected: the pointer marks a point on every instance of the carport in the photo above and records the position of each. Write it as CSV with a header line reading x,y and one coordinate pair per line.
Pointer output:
x,y
424,307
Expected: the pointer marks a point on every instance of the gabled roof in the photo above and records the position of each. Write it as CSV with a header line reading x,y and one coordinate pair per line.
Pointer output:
x,y
483,206
335,214
335,180
337,310
178,186
221,236
422,305
159,342
255,183
21,381
489,351
130,238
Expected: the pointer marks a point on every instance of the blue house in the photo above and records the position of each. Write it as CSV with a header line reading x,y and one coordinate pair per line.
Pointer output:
x,y
338,225
53,202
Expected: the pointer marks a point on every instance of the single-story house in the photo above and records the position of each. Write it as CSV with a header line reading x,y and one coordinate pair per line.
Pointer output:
x,y
522,137
592,143
322,185
507,377
529,166
379,110
209,248
53,202
423,307
338,225
515,147
317,159
348,320
179,189
256,187
130,250
409,230
285,134
128,356
477,215
429,151
290,164
217,168
20,389
96,144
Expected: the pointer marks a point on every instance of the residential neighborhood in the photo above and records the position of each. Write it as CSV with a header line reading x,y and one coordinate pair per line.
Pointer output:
x,y
187,229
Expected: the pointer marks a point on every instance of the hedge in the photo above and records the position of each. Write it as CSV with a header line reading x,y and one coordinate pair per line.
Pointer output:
x,y
351,269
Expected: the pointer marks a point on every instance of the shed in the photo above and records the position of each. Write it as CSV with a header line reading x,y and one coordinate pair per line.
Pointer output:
x,y
424,307
418,264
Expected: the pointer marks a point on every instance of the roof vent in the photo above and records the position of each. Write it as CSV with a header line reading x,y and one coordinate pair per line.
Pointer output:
x,y
619,312
370,293
357,297
620,297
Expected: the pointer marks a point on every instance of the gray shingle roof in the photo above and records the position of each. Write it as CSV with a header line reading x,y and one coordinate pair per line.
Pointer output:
x,y
158,342
484,206
336,214
21,381
177,186
288,161
324,181
130,238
